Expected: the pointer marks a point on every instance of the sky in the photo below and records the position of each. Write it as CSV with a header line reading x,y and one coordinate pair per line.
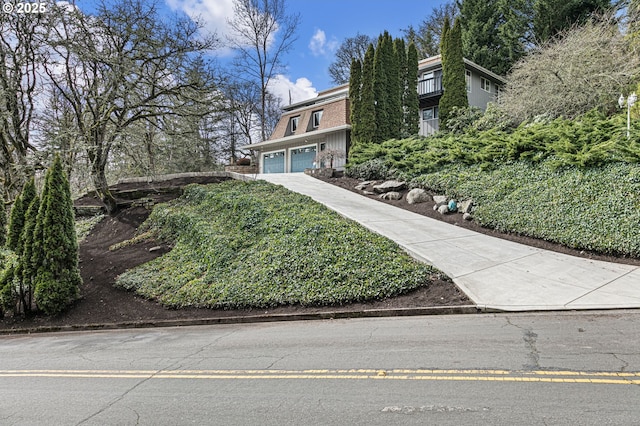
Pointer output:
x,y
324,26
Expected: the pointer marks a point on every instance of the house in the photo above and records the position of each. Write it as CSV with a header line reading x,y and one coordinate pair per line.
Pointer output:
x,y
483,86
305,129
322,123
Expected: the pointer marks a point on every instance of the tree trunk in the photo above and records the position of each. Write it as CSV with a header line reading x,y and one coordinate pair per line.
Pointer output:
x,y
102,189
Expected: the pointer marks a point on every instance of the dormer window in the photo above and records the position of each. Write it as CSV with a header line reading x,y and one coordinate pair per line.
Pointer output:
x,y
317,116
294,123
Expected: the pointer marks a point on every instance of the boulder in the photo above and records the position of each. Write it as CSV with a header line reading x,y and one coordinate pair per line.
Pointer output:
x,y
440,200
392,195
418,195
465,206
467,216
388,186
443,209
363,185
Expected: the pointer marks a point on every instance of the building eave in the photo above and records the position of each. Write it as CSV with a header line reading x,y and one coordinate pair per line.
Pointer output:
x,y
295,138
435,62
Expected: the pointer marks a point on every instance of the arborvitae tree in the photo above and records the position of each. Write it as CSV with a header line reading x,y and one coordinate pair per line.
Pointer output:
x,y
397,74
3,219
27,197
16,223
58,278
355,83
27,265
368,123
381,88
453,75
411,106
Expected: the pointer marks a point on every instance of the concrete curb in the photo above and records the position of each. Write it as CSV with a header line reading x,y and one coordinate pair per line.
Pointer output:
x,y
328,315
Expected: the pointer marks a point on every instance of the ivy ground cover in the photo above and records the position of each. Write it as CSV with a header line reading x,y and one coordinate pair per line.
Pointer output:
x,y
255,244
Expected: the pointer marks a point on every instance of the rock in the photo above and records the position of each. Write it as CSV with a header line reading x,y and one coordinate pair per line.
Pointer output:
x,y
440,200
156,248
393,195
363,185
418,195
435,207
467,216
465,206
388,186
443,209
368,193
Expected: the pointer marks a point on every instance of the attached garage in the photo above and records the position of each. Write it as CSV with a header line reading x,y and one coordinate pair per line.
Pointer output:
x,y
302,158
273,162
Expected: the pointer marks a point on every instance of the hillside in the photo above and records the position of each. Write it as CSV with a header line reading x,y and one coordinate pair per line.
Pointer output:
x,y
102,303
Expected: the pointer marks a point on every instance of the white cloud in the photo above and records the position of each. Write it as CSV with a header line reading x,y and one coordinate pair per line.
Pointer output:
x,y
320,46
212,13
214,16
301,90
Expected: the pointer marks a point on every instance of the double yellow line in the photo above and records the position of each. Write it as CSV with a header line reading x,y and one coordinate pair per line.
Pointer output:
x,y
540,376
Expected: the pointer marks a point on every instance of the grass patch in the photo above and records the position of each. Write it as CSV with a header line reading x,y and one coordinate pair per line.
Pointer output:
x,y
254,244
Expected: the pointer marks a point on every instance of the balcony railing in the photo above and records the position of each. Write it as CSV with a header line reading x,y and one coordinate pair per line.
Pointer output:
x,y
430,87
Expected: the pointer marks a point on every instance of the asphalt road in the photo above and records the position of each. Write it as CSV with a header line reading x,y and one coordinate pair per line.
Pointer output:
x,y
552,368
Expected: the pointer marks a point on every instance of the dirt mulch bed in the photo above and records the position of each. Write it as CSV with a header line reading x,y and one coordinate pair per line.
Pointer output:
x,y
426,209
102,303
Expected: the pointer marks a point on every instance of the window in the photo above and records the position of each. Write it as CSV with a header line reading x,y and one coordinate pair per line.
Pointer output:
x,y
467,79
294,123
429,113
317,115
485,84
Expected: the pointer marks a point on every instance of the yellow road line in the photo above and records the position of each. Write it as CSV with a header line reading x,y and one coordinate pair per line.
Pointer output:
x,y
603,377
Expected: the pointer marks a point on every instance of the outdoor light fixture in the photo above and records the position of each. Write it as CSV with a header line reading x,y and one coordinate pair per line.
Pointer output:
x,y
630,101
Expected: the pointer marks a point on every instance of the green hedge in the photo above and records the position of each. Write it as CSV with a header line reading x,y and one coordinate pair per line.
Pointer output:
x,y
590,141
254,244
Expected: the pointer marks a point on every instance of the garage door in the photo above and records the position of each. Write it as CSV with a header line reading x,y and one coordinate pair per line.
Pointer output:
x,y
302,158
273,162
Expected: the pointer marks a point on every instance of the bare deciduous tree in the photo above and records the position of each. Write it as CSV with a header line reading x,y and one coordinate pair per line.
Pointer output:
x,y
120,67
262,33
351,48
20,36
427,36
588,67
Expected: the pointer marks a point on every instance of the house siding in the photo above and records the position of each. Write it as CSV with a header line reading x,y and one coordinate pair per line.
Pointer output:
x,y
338,140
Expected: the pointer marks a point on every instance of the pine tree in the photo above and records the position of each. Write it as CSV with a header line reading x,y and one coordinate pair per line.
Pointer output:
x,y
551,17
411,106
494,32
453,75
58,278
355,83
368,123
